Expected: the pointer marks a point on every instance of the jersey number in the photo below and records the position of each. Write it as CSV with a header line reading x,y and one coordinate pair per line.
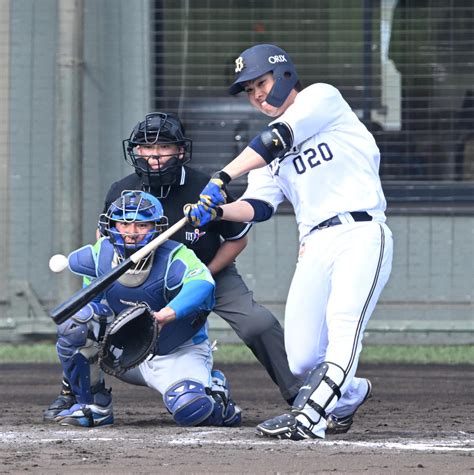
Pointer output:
x,y
310,157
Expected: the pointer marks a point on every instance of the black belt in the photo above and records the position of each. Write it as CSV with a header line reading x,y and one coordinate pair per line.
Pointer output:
x,y
334,221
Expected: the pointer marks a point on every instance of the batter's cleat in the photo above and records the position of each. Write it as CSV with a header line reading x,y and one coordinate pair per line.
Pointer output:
x,y
340,425
285,426
64,401
86,415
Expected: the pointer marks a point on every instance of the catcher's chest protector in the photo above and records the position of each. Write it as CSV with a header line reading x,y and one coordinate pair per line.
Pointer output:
x,y
152,290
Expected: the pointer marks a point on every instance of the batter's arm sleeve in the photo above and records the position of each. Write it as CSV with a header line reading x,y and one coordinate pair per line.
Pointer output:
x,y
197,291
263,211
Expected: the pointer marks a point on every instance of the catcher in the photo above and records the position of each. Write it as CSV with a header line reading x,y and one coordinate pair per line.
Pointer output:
x,y
159,337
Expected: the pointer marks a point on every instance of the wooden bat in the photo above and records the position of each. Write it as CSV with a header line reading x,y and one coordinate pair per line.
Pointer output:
x,y
67,309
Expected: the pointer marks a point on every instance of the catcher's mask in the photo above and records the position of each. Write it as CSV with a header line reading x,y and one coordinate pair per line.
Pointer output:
x,y
262,59
158,128
132,207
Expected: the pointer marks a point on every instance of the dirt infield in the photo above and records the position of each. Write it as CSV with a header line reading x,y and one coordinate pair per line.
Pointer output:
x,y
421,419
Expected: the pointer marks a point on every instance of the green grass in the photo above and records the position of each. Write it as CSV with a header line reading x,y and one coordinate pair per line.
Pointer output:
x,y
462,354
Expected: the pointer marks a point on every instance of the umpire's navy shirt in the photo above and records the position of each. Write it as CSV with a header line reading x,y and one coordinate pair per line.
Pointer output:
x,y
203,241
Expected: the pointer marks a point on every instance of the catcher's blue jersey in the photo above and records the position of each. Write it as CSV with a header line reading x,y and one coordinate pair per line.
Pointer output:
x,y
158,284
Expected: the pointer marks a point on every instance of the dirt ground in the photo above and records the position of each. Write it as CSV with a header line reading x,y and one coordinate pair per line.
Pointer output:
x,y
420,420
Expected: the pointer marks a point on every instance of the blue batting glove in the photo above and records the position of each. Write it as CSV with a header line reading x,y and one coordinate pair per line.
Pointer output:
x,y
199,214
214,194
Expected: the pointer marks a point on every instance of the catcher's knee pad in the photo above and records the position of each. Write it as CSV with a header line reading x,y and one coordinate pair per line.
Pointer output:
x,y
321,385
188,402
78,346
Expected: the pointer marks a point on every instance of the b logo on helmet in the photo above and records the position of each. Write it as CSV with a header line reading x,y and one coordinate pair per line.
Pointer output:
x,y
277,58
239,64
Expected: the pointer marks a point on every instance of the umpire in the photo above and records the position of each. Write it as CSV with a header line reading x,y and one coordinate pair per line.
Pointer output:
x,y
159,151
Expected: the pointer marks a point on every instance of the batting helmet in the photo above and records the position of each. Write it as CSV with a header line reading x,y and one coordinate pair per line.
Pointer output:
x,y
262,59
158,128
131,207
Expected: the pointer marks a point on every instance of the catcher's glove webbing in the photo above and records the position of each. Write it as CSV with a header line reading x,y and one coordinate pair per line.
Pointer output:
x,y
129,340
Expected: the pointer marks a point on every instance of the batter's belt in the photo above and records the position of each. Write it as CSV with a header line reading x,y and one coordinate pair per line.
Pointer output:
x,y
334,221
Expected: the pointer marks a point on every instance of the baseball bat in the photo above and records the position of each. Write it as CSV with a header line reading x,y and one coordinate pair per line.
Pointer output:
x,y
68,308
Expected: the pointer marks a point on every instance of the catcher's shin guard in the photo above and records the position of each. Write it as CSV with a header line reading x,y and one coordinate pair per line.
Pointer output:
x,y
192,404
226,412
188,402
78,347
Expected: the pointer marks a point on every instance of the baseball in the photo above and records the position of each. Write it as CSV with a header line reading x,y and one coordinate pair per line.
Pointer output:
x,y
58,263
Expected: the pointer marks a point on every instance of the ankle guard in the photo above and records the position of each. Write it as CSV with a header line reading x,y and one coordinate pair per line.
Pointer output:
x,y
321,385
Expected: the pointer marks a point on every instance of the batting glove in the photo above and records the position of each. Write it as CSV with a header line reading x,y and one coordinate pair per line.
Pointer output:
x,y
214,193
199,214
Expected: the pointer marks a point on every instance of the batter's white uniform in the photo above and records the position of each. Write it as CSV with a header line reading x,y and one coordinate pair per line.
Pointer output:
x,y
331,170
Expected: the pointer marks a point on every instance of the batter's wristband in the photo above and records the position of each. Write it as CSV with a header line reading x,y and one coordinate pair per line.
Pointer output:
x,y
219,213
221,175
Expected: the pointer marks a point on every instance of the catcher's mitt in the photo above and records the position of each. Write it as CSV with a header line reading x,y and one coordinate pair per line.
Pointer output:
x,y
129,340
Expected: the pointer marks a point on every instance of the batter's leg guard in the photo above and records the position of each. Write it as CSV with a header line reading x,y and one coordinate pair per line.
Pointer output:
x,y
308,416
63,401
341,425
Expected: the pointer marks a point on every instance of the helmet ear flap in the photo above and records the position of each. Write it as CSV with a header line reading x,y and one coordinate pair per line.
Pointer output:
x,y
262,59
285,81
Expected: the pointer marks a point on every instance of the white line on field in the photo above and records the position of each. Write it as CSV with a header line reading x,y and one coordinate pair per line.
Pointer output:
x,y
221,437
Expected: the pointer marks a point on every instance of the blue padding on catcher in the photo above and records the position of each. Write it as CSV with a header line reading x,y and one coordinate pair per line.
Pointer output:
x,y
188,402
72,336
82,261
175,274
94,308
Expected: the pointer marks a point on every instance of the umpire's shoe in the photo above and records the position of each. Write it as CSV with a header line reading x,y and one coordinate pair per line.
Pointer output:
x,y
340,425
64,401
86,415
285,426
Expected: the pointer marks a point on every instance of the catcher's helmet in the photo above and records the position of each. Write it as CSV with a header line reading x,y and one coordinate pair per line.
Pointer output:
x,y
158,128
262,59
132,206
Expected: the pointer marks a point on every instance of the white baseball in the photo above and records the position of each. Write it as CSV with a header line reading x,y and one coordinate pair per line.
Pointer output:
x,y
58,263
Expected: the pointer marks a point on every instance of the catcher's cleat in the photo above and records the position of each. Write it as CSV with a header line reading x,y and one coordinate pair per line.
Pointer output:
x,y
340,425
64,401
86,415
285,426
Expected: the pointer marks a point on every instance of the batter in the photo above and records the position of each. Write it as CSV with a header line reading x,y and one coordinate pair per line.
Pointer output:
x,y
319,156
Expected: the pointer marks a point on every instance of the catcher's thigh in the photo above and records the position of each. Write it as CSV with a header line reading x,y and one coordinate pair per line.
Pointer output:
x,y
188,362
